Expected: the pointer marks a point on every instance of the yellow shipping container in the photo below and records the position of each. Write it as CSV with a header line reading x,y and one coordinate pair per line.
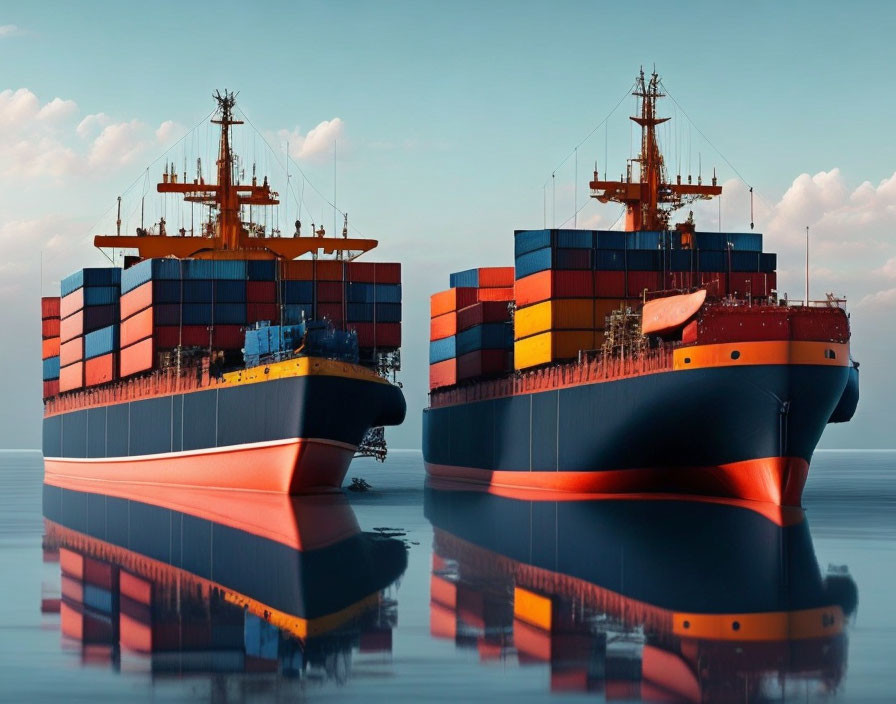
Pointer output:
x,y
550,346
555,314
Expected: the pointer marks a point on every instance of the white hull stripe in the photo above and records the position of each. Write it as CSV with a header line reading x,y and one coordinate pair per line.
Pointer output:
x,y
204,451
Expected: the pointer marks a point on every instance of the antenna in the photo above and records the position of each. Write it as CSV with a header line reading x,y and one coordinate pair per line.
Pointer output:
x,y
807,265
118,219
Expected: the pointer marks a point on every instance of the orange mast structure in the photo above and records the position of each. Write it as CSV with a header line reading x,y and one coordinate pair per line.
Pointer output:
x,y
228,237
650,201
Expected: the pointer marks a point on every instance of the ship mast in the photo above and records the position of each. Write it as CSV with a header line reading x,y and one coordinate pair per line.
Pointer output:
x,y
228,238
651,200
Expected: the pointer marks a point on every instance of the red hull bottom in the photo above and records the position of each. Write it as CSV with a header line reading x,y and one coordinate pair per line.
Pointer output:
x,y
776,480
293,466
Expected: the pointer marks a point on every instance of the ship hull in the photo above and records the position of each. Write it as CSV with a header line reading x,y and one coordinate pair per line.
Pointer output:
x,y
744,432
288,435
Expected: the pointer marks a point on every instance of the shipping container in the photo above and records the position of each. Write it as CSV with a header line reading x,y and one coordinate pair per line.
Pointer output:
x,y
443,374
483,312
334,312
443,326
495,294
744,261
223,314
136,358
644,240
100,370
440,350
555,314
51,388
88,296
609,239
640,281
227,291
755,285
137,299
361,272
101,342
297,291
298,270
452,300
105,276
295,313
256,312
330,291
768,262
360,292
49,348
681,260
49,307
712,261
388,273
261,292
530,240
328,270
602,308
609,260
71,377
150,270
71,351
138,327
72,327
483,364
715,283
388,312
549,347
51,368
643,260
50,328
609,284
490,336
553,258
380,335
484,277
387,293
553,284
360,312
261,269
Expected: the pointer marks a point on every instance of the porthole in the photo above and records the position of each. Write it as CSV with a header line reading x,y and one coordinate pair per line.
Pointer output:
x,y
686,624
735,355
830,354
687,360
735,626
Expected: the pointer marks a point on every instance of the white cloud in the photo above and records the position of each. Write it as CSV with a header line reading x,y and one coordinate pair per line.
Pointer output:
x,y
168,132
91,124
10,30
17,107
118,144
57,109
317,143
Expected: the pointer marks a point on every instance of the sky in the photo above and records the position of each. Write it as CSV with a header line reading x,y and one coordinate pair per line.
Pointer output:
x,y
453,125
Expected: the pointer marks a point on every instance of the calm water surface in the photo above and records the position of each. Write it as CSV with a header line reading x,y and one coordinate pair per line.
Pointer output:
x,y
409,594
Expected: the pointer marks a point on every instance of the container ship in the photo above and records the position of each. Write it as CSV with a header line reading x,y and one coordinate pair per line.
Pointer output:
x,y
649,605
658,359
230,357
161,579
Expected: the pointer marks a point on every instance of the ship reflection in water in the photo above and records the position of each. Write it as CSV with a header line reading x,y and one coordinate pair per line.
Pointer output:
x,y
641,599
191,581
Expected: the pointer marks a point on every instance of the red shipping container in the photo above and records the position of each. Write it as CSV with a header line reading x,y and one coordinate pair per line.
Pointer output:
x,y
545,285
495,294
609,284
71,563
328,270
50,328
330,291
100,574
297,270
100,370
482,363
262,311
679,280
638,281
496,277
380,335
136,299
228,337
71,351
51,388
72,326
443,326
258,292
388,273
137,327
332,312
361,272
168,337
71,303
139,357
49,348
443,374
134,587
479,313
49,307
71,377
451,300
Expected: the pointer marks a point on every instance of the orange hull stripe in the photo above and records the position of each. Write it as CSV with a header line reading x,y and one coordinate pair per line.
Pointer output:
x,y
732,354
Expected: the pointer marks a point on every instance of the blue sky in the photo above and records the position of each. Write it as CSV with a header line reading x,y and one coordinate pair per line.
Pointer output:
x,y
449,119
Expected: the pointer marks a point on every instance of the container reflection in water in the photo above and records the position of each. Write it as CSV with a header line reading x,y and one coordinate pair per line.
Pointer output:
x,y
640,599
196,581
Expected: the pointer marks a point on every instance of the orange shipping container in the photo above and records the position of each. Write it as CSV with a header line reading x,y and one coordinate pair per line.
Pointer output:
x,y
298,270
452,300
443,326
71,377
72,326
496,276
50,328
443,374
100,370
139,357
545,285
495,294
71,303
71,351
50,348
136,300
137,327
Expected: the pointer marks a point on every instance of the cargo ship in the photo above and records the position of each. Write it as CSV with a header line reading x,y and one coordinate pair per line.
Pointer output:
x,y
162,579
657,359
635,598
224,356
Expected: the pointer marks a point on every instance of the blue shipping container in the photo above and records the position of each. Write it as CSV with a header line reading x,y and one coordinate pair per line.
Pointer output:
x,y
100,342
298,291
388,293
465,279
230,313
228,291
101,295
230,269
197,313
261,269
768,262
609,260
609,239
533,262
573,239
682,260
712,261
440,350
360,312
295,313
51,368
96,317
490,336
357,292
525,241
643,260
105,276
150,270
744,261
388,312
573,259
710,241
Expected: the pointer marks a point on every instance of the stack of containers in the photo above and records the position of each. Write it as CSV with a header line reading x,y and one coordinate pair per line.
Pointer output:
x,y
470,332
89,303
568,281
373,304
49,315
